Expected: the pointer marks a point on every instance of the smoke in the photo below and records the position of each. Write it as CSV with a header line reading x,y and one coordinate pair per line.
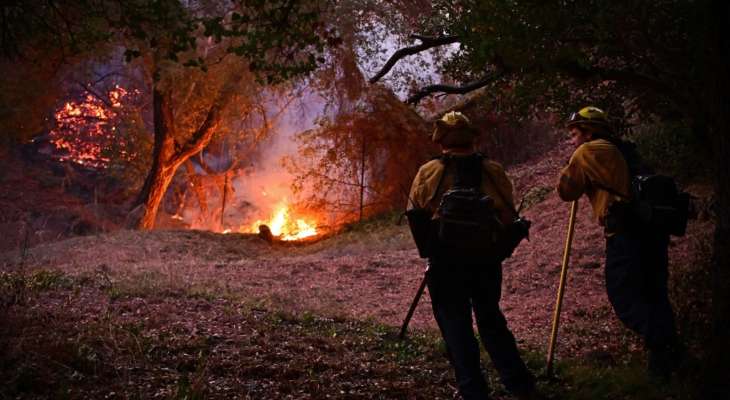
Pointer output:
x,y
265,183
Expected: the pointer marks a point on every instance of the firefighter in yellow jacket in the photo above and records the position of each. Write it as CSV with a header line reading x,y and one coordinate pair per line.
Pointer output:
x,y
636,256
459,281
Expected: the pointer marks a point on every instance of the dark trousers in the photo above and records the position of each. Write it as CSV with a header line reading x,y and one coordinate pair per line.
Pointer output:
x,y
636,282
457,289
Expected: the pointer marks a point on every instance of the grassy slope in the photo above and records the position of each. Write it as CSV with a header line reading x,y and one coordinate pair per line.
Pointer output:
x,y
194,314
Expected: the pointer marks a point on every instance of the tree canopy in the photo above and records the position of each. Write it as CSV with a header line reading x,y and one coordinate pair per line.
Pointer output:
x,y
634,56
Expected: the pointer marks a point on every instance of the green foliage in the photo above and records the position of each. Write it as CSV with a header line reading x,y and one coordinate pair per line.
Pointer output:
x,y
629,57
36,281
673,149
15,287
280,39
690,286
625,382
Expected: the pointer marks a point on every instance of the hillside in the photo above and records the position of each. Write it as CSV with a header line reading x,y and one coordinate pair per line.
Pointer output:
x,y
166,291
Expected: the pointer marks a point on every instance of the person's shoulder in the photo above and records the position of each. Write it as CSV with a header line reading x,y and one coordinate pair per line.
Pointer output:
x,y
433,163
494,168
431,167
599,144
492,165
594,146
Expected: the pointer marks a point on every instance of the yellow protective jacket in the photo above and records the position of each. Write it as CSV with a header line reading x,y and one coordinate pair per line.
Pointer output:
x,y
426,192
595,165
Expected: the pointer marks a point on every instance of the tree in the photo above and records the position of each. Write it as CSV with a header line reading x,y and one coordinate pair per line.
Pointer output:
x,y
639,58
357,160
274,40
253,30
233,153
717,85
354,155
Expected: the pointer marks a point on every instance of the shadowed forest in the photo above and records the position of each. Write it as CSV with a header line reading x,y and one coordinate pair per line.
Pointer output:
x,y
204,199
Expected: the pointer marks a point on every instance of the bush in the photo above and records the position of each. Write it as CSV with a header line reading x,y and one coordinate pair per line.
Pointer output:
x,y
672,149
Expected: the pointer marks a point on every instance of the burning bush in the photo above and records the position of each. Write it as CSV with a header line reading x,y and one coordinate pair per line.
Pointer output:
x,y
85,130
104,133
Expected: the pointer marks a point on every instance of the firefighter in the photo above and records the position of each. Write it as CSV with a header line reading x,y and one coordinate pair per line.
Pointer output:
x,y
636,256
460,284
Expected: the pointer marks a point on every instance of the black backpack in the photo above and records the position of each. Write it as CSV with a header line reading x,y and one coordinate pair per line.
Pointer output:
x,y
467,220
468,225
656,200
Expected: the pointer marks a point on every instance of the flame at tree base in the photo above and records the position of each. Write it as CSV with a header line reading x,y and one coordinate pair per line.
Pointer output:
x,y
283,227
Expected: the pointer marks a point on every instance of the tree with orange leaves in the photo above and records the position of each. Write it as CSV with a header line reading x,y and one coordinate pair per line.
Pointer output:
x,y
204,55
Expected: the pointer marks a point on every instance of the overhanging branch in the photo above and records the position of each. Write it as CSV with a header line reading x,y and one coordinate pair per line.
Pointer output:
x,y
427,42
450,89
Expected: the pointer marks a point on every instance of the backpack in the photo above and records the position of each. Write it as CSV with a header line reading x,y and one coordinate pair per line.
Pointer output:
x,y
656,200
468,225
467,220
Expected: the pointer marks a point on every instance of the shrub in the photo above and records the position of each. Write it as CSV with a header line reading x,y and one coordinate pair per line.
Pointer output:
x,y
673,149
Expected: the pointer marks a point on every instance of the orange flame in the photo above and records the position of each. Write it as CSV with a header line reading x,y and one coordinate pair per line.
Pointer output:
x,y
84,129
283,226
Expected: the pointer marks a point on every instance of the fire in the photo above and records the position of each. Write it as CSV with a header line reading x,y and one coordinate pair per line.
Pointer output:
x,y
284,227
85,131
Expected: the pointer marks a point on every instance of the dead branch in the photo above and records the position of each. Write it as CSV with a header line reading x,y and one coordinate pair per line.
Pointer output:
x,y
204,165
94,93
450,89
426,43
341,182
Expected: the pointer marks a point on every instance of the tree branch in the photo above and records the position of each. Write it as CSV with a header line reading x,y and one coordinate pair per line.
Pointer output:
x,y
202,136
450,89
335,180
94,93
426,43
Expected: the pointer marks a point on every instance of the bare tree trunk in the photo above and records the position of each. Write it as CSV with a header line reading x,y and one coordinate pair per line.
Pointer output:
x,y
362,177
161,174
169,155
225,197
718,93
719,351
158,188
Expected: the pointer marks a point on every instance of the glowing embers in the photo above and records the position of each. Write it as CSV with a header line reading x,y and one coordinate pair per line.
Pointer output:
x,y
283,226
85,133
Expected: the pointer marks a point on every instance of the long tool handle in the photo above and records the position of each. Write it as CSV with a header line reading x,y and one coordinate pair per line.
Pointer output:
x,y
561,287
416,299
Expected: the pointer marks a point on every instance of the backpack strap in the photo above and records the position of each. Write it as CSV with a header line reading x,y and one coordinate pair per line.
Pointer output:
x,y
501,195
444,160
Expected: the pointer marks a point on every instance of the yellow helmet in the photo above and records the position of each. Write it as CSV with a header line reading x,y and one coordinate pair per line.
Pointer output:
x,y
454,118
454,130
590,116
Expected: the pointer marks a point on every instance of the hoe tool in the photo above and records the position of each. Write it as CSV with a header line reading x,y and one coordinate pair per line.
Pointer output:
x,y
414,304
561,288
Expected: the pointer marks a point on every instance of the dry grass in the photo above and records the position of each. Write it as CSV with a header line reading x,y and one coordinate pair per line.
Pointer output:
x,y
189,314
